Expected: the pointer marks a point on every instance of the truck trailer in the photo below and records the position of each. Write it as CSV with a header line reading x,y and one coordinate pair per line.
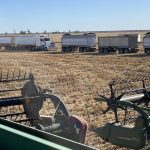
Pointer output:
x,y
120,44
29,42
81,43
146,43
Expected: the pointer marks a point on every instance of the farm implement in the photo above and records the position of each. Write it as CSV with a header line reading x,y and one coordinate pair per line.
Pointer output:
x,y
129,100
22,122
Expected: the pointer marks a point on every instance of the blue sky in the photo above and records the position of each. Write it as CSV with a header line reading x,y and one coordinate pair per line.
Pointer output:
x,y
82,15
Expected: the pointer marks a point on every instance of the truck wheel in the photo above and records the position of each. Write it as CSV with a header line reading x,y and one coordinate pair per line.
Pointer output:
x,y
45,49
63,49
148,52
80,49
101,50
121,51
85,49
126,51
105,51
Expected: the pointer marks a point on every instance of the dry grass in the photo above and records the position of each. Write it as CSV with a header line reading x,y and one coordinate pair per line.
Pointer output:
x,y
77,78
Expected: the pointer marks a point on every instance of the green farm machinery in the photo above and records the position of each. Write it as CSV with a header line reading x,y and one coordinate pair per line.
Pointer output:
x,y
129,101
21,120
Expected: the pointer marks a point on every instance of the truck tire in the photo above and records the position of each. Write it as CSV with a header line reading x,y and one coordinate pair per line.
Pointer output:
x,y
121,51
101,50
147,51
126,51
63,49
45,49
105,51
80,49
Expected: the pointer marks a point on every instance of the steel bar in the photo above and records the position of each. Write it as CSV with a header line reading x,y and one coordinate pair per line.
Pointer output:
x,y
132,97
12,114
10,101
10,90
15,79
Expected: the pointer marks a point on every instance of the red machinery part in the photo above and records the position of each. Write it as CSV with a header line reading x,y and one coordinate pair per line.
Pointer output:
x,y
81,124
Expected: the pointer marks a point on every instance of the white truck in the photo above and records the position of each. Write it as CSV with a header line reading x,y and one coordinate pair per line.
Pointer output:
x,y
30,42
146,43
82,43
120,44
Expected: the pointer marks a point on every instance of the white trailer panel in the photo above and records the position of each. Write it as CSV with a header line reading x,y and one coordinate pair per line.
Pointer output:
x,y
5,40
79,40
25,40
127,41
74,41
146,42
113,41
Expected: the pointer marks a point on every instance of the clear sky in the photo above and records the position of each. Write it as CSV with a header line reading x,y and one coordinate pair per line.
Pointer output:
x,y
82,15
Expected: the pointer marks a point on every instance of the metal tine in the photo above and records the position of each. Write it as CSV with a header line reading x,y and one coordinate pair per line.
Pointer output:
x,y
125,80
25,75
128,80
103,91
114,81
143,82
19,107
121,90
118,81
7,75
13,74
1,74
121,81
147,77
19,74
140,78
144,78
135,79
15,117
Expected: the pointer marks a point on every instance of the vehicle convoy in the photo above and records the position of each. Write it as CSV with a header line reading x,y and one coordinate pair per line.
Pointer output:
x,y
146,43
82,43
120,44
29,42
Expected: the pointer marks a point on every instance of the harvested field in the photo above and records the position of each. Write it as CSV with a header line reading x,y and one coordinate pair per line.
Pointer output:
x,y
77,78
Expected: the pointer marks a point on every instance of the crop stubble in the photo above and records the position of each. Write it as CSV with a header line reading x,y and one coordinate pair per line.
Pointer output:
x,y
77,78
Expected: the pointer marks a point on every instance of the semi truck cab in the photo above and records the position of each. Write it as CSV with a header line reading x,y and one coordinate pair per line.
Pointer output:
x,y
46,43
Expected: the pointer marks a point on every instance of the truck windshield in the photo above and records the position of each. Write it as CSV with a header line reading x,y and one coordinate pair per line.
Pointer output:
x,y
47,39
